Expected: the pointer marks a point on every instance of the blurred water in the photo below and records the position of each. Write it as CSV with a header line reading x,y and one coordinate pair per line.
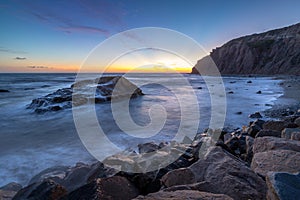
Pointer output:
x,y
31,142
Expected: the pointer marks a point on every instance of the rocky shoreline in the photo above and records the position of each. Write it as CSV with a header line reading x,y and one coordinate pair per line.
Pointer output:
x,y
259,161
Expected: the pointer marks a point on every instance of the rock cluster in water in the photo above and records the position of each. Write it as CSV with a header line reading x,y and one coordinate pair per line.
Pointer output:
x,y
98,90
258,161
273,52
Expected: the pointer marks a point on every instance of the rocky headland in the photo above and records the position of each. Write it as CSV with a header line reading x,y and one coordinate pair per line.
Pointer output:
x,y
275,52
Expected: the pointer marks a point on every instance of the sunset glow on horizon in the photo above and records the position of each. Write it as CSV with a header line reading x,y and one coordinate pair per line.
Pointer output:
x,y
43,36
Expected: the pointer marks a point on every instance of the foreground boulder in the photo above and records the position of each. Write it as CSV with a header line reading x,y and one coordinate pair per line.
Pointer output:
x,y
46,190
222,174
276,160
72,178
116,188
283,186
97,90
263,144
183,194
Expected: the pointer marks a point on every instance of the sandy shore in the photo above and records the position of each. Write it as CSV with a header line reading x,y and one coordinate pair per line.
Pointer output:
x,y
289,102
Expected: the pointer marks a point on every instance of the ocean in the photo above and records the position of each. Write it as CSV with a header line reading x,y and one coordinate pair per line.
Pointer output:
x,y
31,142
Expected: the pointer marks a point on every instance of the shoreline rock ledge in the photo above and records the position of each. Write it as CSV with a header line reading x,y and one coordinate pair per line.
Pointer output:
x,y
269,53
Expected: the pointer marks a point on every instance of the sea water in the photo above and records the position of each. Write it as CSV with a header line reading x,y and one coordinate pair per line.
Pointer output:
x,y
31,142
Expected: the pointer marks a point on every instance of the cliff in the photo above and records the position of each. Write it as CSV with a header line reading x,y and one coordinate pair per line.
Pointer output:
x,y
269,53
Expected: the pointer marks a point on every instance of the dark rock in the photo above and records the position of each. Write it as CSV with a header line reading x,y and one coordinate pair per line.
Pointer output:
x,y
297,121
283,186
264,133
249,81
8,191
56,173
230,92
274,125
287,132
46,190
96,90
273,52
145,182
239,113
295,136
73,177
249,149
232,82
183,194
291,125
224,173
253,130
116,188
258,122
148,147
183,176
200,88
255,115
2,90
236,145
258,92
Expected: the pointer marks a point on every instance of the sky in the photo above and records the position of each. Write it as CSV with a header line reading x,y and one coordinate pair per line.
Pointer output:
x,y
58,36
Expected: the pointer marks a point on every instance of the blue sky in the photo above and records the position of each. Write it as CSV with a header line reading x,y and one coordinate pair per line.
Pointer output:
x,y
58,35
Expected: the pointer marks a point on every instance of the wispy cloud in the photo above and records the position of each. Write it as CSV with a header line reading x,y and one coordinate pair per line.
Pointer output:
x,y
7,50
90,29
94,16
20,58
37,67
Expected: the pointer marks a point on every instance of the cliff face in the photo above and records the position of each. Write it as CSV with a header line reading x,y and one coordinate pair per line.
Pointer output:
x,y
269,53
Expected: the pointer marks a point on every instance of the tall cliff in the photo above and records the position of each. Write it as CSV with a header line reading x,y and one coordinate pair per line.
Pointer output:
x,y
269,53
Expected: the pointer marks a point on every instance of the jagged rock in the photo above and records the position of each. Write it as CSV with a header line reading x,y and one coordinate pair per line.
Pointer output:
x,y
295,136
273,52
264,133
46,190
182,176
274,125
276,160
225,173
255,115
297,121
73,177
283,186
97,90
263,144
148,147
249,149
287,132
236,145
258,122
253,130
8,191
116,188
183,194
